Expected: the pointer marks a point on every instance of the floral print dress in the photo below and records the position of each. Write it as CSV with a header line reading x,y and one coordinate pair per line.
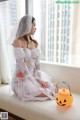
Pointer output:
x,y
24,82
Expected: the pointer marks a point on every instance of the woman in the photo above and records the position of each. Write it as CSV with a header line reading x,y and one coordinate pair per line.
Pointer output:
x,y
27,82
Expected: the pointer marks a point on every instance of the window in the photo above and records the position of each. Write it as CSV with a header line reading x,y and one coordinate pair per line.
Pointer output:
x,y
55,28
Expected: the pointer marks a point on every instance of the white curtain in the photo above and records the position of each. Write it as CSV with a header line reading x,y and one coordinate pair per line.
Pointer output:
x,y
4,62
10,12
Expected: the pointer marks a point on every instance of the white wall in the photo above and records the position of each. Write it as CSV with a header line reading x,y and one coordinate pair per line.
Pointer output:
x,y
71,75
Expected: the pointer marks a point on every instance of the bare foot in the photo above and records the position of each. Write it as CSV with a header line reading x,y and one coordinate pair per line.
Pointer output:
x,y
41,95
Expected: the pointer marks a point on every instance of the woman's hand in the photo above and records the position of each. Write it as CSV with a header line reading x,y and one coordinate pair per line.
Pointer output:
x,y
43,83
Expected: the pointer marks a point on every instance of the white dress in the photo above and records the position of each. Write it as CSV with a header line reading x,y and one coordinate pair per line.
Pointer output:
x,y
27,88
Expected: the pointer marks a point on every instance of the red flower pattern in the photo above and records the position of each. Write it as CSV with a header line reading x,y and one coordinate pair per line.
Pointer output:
x,y
20,75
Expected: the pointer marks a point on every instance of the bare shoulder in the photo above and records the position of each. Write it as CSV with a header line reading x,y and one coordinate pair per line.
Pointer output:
x,y
17,43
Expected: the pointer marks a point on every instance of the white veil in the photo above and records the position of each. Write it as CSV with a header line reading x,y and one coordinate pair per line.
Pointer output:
x,y
23,27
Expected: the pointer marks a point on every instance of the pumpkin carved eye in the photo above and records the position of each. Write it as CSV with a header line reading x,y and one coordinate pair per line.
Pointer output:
x,y
64,100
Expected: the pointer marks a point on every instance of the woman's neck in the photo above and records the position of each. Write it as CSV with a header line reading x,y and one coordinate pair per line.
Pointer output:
x,y
28,38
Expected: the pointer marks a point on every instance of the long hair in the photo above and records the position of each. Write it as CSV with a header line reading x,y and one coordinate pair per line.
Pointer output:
x,y
33,19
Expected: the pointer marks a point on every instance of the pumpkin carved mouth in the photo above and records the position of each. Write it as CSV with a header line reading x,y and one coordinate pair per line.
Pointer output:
x,y
61,104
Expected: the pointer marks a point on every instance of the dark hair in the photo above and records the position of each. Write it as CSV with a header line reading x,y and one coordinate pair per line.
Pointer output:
x,y
33,19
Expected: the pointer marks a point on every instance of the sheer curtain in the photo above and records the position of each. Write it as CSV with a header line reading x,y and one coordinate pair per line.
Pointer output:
x,y
10,12
4,62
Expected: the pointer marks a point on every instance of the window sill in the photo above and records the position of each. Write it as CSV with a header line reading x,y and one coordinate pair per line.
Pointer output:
x,y
60,64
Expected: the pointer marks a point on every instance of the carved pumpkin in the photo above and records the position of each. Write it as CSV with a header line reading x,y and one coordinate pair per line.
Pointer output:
x,y
64,97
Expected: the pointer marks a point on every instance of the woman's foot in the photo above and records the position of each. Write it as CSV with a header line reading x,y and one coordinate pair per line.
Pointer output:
x,y
41,95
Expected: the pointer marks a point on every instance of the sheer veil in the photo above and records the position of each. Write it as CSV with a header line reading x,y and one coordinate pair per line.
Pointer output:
x,y
22,28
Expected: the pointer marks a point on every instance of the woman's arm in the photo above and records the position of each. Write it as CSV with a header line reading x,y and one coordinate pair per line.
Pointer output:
x,y
20,60
43,83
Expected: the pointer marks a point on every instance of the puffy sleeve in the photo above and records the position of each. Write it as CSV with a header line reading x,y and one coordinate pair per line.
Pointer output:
x,y
22,69
19,55
37,69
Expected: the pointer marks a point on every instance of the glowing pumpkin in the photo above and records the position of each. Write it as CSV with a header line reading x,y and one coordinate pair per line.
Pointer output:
x,y
64,97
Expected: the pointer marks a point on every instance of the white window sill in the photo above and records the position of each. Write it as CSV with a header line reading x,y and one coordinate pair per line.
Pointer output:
x,y
60,64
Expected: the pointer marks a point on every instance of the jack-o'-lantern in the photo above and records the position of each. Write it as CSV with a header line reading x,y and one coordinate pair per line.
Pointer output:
x,y
64,97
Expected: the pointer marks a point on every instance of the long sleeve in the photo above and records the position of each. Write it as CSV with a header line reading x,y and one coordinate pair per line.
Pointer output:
x,y
19,56
21,65
37,70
